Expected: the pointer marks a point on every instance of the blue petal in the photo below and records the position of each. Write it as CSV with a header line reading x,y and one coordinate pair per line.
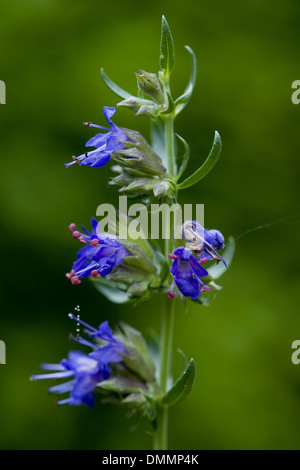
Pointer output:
x,y
101,160
197,268
108,113
183,252
97,141
105,332
189,287
106,354
174,267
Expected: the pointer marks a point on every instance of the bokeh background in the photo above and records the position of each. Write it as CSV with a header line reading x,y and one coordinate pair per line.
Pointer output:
x,y
247,392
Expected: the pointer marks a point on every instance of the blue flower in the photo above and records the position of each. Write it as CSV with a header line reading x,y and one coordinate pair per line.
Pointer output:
x,y
99,257
186,270
105,144
110,352
204,242
86,371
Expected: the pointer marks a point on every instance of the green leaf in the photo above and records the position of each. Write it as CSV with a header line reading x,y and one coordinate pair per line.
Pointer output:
x,y
217,270
205,300
207,165
121,385
113,86
111,290
185,158
181,102
182,387
167,54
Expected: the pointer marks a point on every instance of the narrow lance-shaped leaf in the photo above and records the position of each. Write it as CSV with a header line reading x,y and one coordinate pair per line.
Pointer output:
x,y
185,158
182,387
217,270
207,165
111,290
167,54
113,86
181,102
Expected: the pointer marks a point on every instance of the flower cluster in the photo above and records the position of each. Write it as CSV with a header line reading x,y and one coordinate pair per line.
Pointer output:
x,y
119,363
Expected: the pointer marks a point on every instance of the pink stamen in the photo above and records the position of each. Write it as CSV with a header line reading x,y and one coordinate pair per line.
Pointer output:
x,y
170,295
71,274
202,260
204,288
172,256
95,242
72,227
75,234
95,273
82,240
75,280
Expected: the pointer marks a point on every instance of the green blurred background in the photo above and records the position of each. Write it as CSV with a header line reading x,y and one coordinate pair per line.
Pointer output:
x,y
247,392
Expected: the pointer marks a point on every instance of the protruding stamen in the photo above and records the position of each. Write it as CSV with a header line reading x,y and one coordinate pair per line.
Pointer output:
x,y
82,240
172,256
95,273
204,288
90,124
73,317
170,295
75,280
71,274
75,234
202,260
72,227
95,242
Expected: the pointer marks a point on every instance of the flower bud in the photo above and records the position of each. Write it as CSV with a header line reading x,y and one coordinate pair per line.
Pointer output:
x,y
135,103
149,84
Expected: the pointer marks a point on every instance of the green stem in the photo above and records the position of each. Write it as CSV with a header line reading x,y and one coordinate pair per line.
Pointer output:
x,y
170,144
167,327
168,309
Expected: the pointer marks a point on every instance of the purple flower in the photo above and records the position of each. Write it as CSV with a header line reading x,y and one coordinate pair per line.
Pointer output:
x,y
105,144
186,270
110,352
99,257
204,242
86,371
